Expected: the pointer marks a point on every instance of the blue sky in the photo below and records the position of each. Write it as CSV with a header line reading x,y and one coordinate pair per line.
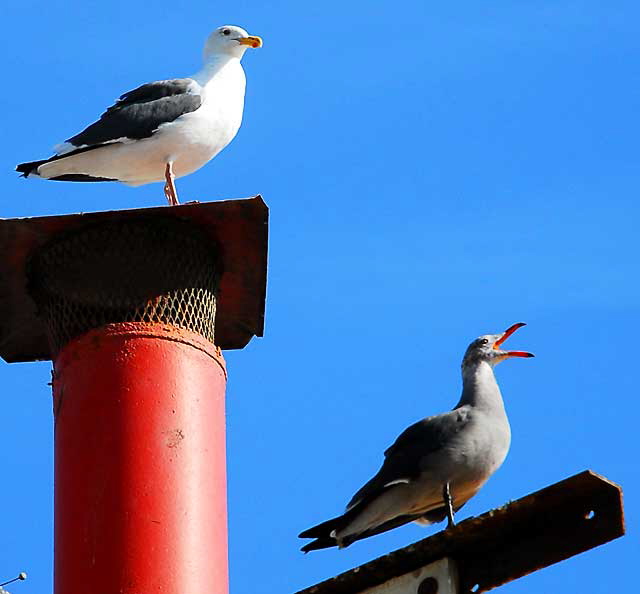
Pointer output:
x,y
435,171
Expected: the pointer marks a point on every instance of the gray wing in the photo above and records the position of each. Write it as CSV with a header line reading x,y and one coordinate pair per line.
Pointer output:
x,y
138,114
403,459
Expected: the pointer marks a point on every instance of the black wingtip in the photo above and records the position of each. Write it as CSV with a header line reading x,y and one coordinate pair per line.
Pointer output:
x,y
322,534
321,530
26,168
310,533
320,543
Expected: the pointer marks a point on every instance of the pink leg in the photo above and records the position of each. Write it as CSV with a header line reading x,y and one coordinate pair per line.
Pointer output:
x,y
169,187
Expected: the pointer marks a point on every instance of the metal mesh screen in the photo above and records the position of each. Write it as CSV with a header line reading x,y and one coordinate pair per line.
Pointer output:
x,y
145,270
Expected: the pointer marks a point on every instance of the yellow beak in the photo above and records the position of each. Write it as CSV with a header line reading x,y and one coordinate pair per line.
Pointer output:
x,y
252,41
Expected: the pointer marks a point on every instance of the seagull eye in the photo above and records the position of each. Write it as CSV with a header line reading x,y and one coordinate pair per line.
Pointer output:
x,y
484,341
226,31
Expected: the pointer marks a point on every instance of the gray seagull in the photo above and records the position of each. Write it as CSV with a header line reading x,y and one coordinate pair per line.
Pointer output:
x,y
436,465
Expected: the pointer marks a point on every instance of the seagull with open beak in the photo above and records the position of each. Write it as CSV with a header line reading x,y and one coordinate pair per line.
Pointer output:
x,y
436,465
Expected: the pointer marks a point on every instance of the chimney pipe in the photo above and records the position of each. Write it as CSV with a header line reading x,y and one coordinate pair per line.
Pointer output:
x,y
132,307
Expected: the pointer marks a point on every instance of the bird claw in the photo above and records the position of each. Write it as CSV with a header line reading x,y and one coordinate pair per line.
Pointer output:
x,y
170,192
448,503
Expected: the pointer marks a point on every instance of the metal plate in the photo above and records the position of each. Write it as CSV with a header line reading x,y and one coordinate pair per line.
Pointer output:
x,y
239,227
440,577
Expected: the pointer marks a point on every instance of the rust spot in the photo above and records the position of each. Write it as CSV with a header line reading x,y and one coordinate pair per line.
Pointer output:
x,y
174,438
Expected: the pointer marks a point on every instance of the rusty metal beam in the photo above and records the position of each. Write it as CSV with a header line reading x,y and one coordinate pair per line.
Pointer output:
x,y
543,528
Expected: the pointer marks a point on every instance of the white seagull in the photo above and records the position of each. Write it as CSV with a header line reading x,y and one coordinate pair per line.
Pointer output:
x,y
161,130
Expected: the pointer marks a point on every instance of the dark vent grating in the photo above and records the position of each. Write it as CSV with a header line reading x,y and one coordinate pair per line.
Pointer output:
x,y
145,270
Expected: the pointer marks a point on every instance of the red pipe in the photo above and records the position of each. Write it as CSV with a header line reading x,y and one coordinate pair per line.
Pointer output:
x,y
140,473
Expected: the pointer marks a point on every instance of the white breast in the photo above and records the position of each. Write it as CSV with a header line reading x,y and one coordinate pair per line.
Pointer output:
x,y
195,138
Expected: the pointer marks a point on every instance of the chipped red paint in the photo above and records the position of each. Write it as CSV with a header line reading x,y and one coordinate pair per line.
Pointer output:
x,y
140,473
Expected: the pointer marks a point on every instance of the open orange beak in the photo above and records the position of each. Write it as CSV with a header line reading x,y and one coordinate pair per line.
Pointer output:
x,y
508,332
251,41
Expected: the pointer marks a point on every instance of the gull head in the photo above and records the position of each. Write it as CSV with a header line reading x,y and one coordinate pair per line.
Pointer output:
x,y
487,348
231,41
